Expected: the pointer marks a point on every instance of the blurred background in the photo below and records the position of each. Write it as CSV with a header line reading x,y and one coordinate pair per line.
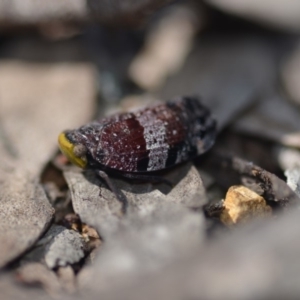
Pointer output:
x,y
65,62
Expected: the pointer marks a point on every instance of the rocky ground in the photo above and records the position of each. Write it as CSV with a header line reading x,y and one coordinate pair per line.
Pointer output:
x,y
227,228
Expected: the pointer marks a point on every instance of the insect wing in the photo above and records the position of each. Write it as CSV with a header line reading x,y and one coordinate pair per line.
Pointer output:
x,y
155,137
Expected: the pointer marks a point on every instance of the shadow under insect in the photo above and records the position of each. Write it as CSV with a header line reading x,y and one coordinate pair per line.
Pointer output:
x,y
132,191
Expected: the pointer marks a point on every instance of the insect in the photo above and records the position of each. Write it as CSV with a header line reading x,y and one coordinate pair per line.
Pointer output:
x,y
147,140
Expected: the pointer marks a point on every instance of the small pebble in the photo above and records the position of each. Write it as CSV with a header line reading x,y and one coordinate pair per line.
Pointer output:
x,y
241,205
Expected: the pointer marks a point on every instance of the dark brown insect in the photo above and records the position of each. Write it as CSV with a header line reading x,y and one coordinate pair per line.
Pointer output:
x,y
150,139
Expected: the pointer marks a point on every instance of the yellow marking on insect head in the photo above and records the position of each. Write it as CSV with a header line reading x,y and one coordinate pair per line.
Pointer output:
x,y
67,148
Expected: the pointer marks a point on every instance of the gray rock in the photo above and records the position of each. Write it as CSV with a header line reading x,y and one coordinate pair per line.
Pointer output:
x,y
227,72
32,12
35,12
58,248
25,213
66,247
144,245
273,118
98,206
258,261
57,89
95,205
281,14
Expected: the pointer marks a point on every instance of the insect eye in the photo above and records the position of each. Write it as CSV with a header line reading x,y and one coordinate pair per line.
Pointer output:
x,y
79,150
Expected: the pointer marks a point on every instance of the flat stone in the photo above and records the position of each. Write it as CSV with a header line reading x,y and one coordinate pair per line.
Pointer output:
x,y
25,214
95,205
41,100
99,207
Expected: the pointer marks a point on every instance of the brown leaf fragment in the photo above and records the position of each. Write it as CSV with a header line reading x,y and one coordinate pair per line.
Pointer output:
x,y
72,221
89,232
241,205
274,190
214,210
25,213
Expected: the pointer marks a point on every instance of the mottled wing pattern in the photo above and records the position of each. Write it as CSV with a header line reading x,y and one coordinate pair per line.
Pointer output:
x,y
153,138
122,145
148,140
164,131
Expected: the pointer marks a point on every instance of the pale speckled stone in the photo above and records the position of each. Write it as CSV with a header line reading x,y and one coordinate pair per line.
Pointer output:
x,y
37,102
98,206
293,179
66,247
59,247
25,213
